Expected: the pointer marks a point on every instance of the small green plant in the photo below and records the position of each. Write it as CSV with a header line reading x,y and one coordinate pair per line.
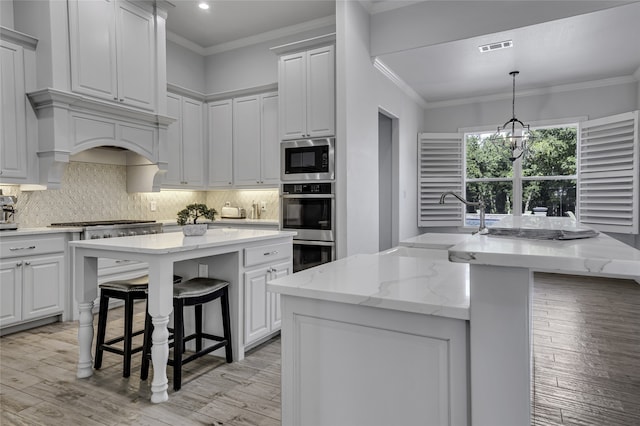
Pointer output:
x,y
192,212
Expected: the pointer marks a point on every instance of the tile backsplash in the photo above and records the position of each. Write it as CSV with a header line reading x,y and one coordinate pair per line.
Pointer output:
x,y
91,191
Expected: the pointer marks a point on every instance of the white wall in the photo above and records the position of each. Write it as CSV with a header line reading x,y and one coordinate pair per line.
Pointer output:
x,y
6,13
185,68
250,66
593,103
361,91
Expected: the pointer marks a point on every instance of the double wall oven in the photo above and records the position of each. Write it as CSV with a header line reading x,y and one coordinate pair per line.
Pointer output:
x,y
308,200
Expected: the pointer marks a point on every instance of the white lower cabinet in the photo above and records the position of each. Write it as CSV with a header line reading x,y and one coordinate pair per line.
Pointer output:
x,y
262,314
32,283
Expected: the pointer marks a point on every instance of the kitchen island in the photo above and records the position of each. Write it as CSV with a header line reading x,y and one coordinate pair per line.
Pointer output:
x,y
325,327
228,254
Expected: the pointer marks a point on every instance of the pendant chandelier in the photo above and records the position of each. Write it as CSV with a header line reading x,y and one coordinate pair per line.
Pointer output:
x,y
514,134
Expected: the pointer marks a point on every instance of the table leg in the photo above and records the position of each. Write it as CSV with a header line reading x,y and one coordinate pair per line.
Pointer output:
x,y
85,337
160,304
500,345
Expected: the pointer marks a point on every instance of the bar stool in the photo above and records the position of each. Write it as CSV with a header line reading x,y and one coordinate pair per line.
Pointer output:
x,y
129,291
194,292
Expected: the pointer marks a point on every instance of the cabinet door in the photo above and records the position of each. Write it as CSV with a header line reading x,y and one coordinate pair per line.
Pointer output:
x,y
292,92
270,142
13,135
246,141
173,176
256,305
135,59
192,143
221,143
278,271
10,292
92,37
321,92
42,287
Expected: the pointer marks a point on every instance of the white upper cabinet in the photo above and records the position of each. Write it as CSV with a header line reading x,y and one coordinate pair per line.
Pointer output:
x,y
306,84
113,51
221,144
256,147
17,118
185,141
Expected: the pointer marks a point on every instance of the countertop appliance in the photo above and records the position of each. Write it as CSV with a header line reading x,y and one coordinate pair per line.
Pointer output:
x,y
229,212
113,228
308,159
7,220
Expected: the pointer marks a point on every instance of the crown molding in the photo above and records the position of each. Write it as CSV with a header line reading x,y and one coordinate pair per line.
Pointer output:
x,y
297,46
402,85
385,6
535,92
187,44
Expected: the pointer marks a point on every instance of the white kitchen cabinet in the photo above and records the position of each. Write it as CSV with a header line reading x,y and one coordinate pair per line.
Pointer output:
x,y
220,116
306,86
113,51
256,149
185,141
262,308
17,118
33,279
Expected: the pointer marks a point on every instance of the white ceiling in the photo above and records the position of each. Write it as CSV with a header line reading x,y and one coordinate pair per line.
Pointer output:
x,y
584,48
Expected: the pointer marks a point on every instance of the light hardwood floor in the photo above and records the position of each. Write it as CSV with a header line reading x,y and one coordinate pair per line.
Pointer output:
x,y
587,370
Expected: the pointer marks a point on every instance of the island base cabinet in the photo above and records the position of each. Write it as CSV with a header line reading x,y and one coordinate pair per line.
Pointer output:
x,y
360,365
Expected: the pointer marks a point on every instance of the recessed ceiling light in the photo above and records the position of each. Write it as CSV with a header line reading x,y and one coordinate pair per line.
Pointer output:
x,y
203,5
496,46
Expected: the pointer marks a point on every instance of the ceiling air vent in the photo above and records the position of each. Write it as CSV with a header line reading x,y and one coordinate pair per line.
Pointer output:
x,y
496,46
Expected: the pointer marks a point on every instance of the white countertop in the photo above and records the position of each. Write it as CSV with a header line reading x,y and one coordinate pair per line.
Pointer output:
x,y
600,255
38,231
171,242
244,221
403,283
435,240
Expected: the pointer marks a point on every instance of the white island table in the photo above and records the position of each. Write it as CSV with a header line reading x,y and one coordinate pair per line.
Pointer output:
x,y
223,252
501,285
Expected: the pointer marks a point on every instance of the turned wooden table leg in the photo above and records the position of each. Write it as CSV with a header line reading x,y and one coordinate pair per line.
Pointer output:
x,y
85,337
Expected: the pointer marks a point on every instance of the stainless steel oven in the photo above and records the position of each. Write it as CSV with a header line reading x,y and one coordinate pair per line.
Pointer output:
x,y
307,254
308,159
308,209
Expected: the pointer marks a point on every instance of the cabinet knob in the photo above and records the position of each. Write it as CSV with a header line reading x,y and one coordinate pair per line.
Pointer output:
x,y
18,263
115,98
27,263
121,99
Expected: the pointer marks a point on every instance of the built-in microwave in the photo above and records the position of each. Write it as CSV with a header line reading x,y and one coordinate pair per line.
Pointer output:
x,y
307,159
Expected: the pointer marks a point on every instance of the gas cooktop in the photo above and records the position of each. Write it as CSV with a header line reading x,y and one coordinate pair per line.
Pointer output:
x,y
102,222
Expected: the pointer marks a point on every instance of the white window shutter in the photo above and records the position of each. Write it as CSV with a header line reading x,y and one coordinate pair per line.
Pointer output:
x,y
440,169
608,173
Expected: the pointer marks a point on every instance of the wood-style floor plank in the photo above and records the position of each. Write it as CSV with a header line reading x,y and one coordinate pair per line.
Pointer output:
x,y
586,337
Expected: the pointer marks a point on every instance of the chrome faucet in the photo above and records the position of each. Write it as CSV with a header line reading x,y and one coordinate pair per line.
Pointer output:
x,y
479,204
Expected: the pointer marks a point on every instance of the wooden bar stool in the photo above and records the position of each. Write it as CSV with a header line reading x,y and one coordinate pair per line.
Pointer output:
x,y
194,292
129,291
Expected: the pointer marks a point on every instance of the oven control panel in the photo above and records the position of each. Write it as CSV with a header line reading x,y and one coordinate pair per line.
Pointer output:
x,y
307,188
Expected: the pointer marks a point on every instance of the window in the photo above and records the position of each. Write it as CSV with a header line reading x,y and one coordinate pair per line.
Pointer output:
x,y
543,182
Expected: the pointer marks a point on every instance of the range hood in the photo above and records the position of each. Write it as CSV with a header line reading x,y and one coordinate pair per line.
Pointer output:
x,y
69,124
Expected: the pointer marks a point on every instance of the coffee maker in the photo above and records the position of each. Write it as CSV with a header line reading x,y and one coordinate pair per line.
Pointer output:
x,y
7,220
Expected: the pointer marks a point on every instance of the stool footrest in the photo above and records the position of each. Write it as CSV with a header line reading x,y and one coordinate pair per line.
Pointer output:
x,y
197,355
121,338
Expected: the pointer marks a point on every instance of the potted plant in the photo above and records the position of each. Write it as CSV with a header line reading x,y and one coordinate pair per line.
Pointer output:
x,y
187,218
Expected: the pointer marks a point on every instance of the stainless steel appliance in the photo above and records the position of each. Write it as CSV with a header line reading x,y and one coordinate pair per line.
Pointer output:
x,y
307,254
308,209
7,220
308,159
113,228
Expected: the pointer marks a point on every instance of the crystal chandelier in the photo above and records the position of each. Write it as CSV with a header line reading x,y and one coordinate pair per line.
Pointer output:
x,y
514,134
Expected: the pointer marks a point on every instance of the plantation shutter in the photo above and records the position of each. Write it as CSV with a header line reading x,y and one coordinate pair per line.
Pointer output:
x,y
608,187
440,169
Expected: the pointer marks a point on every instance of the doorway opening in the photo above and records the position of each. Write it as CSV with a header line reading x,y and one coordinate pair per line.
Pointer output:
x,y
387,182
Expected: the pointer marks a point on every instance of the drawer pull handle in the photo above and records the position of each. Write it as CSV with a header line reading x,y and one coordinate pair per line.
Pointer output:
x,y
270,253
21,248
122,261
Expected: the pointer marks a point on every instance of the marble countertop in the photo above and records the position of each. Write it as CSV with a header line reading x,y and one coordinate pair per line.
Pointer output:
x,y
600,255
38,231
172,242
434,240
245,221
415,284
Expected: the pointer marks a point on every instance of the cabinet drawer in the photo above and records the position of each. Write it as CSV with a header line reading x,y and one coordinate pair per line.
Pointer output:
x,y
268,253
19,247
